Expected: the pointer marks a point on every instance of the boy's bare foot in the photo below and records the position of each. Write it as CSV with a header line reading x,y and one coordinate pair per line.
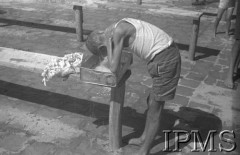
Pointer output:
x,y
138,153
136,141
131,150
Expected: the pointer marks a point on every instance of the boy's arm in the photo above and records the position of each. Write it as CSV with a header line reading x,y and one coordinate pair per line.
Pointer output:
x,y
114,49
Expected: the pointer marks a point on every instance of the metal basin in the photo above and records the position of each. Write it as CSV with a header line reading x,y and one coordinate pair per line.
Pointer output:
x,y
92,70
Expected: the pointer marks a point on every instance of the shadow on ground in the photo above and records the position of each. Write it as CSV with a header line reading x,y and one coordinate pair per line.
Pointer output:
x,y
2,12
9,22
203,52
185,119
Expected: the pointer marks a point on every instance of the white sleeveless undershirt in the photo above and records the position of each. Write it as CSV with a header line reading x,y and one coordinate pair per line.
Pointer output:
x,y
149,41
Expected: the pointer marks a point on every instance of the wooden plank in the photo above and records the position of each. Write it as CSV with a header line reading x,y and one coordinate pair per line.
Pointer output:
x,y
98,78
177,12
25,60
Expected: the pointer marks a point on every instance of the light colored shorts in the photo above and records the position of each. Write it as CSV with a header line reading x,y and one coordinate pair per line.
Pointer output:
x,y
225,4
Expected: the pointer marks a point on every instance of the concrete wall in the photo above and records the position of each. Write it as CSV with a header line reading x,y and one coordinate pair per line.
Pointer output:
x,y
54,1
84,2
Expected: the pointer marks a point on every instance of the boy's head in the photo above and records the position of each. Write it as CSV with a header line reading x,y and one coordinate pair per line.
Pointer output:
x,y
95,42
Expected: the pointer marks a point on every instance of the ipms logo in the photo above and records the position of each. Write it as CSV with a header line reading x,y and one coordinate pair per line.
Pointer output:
x,y
226,141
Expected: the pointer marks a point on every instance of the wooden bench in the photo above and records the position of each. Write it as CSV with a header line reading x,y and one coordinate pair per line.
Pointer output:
x,y
195,15
36,62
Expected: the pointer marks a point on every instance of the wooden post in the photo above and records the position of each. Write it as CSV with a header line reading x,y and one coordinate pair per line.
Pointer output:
x,y
194,38
139,2
79,21
115,113
115,116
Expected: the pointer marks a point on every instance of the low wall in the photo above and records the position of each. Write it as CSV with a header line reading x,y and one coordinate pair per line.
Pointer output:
x,y
85,2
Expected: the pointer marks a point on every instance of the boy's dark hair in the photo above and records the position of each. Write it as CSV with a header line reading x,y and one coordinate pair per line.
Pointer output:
x,y
94,41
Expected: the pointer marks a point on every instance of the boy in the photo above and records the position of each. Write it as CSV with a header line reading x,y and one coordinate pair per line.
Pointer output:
x,y
158,50
235,53
228,6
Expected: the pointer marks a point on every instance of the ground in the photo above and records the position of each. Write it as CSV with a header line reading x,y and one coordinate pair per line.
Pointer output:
x,y
70,118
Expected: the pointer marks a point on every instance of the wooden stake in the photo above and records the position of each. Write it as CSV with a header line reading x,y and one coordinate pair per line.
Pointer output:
x,y
79,21
194,38
139,2
115,113
115,116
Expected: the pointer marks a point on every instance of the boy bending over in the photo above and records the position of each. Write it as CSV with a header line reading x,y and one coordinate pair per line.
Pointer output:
x,y
161,55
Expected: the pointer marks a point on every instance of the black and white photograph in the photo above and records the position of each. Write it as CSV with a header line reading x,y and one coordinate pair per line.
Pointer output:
x,y
119,77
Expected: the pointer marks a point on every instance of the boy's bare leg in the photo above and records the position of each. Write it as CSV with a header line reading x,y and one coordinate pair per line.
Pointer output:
x,y
228,20
233,62
217,20
153,118
237,65
141,139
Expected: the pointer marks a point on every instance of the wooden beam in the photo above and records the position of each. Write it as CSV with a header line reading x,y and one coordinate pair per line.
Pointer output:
x,y
115,116
115,113
79,21
194,38
139,2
